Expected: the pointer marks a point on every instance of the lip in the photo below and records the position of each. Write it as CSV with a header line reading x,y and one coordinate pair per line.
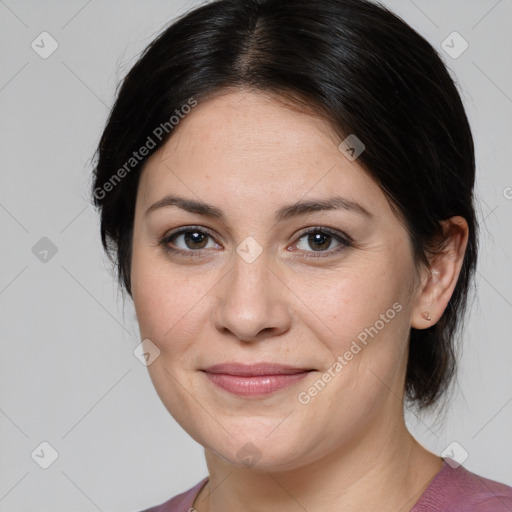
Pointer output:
x,y
255,369
254,379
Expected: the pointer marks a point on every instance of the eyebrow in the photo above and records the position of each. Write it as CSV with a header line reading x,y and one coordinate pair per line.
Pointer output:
x,y
284,213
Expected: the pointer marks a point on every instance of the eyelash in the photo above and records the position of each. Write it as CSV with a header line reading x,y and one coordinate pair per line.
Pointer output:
x,y
344,240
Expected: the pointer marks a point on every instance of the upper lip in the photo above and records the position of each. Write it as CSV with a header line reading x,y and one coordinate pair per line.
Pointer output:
x,y
255,369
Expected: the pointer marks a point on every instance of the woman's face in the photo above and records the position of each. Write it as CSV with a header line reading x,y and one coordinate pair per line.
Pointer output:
x,y
248,286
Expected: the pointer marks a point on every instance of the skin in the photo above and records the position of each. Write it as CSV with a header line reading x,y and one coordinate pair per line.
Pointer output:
x,y
249,154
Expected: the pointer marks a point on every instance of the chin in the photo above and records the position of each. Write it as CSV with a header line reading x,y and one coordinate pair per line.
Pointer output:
x,y
261,452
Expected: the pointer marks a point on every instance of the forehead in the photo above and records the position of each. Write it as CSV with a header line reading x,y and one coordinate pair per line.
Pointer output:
x,y
251,147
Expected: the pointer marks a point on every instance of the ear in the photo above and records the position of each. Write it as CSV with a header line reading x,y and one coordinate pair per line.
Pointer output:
x,y
437,284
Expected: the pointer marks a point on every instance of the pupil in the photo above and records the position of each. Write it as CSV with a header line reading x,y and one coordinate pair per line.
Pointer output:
x,y
319,240
194,237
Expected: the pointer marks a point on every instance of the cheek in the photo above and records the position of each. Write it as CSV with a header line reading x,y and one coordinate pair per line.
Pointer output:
x,y
362,321
345,304
150,291
170,304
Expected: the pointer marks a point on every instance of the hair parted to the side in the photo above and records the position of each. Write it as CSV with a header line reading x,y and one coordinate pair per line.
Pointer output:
x,y
351,61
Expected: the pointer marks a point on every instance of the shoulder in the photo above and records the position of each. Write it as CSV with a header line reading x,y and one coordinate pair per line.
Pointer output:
x,y
181,502
456,489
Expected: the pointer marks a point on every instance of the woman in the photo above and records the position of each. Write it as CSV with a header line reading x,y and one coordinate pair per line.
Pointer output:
x,y
286,187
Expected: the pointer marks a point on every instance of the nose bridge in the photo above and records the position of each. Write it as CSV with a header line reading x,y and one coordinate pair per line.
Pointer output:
x,y
250,267
249,283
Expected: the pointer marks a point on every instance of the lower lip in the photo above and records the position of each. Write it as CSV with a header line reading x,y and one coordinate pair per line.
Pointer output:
x,y
255,385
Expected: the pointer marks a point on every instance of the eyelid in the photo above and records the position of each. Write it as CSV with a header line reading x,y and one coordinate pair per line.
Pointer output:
x,y
344,239
165,240
325,229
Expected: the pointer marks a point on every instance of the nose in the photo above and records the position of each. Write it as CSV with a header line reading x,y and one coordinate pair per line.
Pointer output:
x,y
254,301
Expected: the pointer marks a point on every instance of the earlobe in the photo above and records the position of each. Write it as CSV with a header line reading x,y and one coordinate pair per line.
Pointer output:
x,y
438,286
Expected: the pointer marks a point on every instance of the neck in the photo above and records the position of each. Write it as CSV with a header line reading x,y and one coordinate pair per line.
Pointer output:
x,y
386,469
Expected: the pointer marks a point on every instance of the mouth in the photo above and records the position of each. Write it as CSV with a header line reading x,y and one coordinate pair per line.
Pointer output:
x,y
254,379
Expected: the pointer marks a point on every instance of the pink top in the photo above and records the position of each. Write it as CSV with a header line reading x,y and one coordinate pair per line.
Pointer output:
x,y
453,489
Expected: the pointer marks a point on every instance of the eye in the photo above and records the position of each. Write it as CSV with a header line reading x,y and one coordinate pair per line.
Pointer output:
x,y
188,240
321,239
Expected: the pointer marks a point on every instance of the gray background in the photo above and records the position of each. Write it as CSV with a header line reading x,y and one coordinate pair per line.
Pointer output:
x,y
68,375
